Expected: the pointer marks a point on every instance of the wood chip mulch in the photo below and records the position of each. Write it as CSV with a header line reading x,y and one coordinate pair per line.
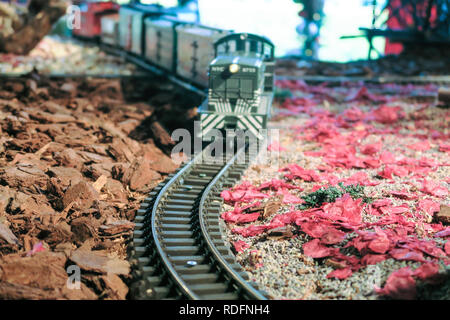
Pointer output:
x,y
76,159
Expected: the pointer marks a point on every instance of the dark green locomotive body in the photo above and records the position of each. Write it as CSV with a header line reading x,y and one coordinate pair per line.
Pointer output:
x,y
240,85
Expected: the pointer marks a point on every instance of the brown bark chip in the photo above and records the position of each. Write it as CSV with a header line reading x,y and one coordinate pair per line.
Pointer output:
x,y
161,136
118,170
30,204
115,286
41,276
82,229
46,117
24,178
7,235
69,158
39,21
100,262
97,170
163,164
82,194
93,157
6,195
54,233
65,176
128,125
140,174
280,233
115,191
271,208
99,183
120,151
116,228
11,291
443,215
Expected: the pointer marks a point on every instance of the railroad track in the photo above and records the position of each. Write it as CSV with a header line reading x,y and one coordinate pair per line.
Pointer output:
x,y
178,250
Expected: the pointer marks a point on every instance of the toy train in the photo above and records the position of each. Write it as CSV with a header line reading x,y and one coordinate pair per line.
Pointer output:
x,y
237,69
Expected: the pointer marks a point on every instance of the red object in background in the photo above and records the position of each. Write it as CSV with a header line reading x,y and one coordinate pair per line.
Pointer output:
x,y
91,14
394,24
401,18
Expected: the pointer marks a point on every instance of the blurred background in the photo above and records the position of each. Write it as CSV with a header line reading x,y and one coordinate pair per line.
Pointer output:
x,y
308,28
298,28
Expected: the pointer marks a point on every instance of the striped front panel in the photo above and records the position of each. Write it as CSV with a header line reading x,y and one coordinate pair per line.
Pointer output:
x,y
243,106
252,123
211,121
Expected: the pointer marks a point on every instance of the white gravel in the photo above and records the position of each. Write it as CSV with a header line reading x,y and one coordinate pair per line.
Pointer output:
x,y
285,272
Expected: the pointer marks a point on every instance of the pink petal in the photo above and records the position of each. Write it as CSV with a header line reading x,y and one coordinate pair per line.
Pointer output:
x,y
427,271
400,285
340,273
420,146
406,254
444,233
428,206
240,245
38,247
315,249
379,245
332,236
250,231
373,259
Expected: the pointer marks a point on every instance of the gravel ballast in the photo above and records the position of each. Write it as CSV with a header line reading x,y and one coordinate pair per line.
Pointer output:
x,y
279,266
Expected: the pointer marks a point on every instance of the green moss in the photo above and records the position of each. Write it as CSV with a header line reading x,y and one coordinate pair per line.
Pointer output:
x,y
327,195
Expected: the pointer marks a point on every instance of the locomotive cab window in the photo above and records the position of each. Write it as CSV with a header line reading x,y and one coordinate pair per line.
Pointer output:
x,y
246,88
218,83
232,87
233,84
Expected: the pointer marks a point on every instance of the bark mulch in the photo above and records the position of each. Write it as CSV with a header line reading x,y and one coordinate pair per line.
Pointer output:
x,y
76,159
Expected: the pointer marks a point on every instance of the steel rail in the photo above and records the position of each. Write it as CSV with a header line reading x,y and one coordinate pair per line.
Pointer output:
x,y
155,264
168,265
232,274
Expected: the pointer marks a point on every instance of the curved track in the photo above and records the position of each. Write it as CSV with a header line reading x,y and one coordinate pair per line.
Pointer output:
x,y
178,249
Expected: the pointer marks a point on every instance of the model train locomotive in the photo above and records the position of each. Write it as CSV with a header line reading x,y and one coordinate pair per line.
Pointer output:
x,y
237,68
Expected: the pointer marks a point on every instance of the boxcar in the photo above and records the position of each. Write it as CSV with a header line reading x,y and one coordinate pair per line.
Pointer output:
x,y
160,42
110,29
195,50
131,25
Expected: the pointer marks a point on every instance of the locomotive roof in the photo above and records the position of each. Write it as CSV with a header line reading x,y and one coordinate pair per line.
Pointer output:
x,y
247,61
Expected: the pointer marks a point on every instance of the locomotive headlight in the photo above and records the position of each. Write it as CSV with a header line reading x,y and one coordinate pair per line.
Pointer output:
x,y
234,68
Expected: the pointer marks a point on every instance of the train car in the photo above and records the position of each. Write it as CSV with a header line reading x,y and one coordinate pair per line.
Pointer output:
x,y
110,29
160,43
195,50
91,14
131,26
240,85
